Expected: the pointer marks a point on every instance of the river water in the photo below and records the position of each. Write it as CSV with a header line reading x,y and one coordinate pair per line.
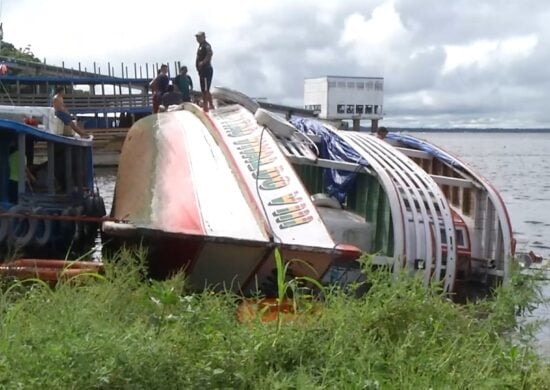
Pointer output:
x,y
518,165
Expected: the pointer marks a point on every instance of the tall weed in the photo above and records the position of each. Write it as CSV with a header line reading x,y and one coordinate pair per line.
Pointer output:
x,y
123,331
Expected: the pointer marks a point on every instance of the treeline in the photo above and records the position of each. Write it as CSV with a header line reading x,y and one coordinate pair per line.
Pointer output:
x,y
8,50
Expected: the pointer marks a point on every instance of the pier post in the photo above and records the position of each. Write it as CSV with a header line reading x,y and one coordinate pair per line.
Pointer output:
x,y
374,125
356,124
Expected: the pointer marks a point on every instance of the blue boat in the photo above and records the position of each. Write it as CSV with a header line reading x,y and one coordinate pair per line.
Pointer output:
x,y
48,201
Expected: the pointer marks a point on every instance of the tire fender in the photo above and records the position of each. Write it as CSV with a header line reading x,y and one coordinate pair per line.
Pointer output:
x,y
43,234
21,229
72,230
4,228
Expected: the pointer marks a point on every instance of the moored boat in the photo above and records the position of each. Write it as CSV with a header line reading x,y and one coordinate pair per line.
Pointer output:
x,y
48,201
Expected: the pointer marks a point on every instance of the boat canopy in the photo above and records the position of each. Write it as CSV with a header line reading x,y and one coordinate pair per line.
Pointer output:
x,y
14,127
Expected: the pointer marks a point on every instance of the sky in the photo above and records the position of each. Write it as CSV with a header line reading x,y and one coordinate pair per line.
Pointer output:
x,y
454,63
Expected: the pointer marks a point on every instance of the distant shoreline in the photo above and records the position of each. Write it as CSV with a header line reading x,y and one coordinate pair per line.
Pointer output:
x,y
464,130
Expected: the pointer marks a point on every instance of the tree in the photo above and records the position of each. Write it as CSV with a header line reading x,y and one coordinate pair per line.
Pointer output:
x,y
26,54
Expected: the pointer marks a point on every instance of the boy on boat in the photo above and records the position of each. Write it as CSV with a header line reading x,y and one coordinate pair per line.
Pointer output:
x,y
62,113
184,83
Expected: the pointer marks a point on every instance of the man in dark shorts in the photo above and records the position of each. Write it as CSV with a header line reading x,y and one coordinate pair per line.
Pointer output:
x,y
62,113
184,83
204,67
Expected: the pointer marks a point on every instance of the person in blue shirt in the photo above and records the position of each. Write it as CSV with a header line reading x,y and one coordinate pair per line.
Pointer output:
x,y
184,84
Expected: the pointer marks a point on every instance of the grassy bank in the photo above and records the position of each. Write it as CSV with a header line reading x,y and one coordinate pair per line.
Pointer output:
x,y
119,332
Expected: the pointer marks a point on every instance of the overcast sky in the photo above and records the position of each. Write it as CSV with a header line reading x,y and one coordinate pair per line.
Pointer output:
x,y
445,63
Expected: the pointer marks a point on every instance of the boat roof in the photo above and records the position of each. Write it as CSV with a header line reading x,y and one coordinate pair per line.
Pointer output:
x,y
14,127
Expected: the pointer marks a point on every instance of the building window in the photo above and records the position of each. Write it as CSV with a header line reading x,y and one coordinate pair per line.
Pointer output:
x,y
349,109
341,84
368,109
359,109
379,86
360,85
351,84
369,85
332,84
341,108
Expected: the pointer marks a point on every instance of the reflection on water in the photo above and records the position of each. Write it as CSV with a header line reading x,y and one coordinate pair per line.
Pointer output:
x,y
518,165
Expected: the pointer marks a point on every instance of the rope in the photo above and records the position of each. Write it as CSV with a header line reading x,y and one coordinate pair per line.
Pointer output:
x,y
81,218
7,93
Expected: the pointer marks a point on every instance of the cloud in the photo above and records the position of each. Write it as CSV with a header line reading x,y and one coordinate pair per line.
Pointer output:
x,y
485,53
467,61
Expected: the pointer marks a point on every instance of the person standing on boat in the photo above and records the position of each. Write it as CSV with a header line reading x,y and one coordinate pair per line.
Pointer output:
x,y
159,86
204,67
184,83
62,113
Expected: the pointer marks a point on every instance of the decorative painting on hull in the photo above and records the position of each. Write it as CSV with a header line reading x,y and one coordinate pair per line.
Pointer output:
x,y
271,180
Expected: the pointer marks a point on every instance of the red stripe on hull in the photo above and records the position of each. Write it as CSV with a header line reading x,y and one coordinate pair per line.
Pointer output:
x,y
178,209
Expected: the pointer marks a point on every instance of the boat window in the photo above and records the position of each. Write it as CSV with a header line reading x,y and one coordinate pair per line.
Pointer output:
x,y
341,84
68,168
351,84
460,237
332,84
360,85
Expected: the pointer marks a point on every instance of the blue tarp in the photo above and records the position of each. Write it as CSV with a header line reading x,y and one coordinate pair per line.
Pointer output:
x,y
415,143
337,182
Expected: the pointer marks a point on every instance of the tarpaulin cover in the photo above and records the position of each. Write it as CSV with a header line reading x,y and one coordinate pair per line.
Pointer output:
x,y
419,144
337,182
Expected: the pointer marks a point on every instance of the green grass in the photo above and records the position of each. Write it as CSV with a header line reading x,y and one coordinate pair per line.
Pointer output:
x,y
120,332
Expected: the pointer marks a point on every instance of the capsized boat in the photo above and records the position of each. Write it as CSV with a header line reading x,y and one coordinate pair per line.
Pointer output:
x,y
212,194
411,207
52,205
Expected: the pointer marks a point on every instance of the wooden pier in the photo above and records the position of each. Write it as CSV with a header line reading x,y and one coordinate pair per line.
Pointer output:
x,y
105,104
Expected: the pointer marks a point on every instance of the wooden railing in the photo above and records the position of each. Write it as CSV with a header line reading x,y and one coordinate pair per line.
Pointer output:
x,y
84,103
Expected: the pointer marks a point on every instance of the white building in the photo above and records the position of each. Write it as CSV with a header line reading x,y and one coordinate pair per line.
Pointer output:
x,y
338,97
